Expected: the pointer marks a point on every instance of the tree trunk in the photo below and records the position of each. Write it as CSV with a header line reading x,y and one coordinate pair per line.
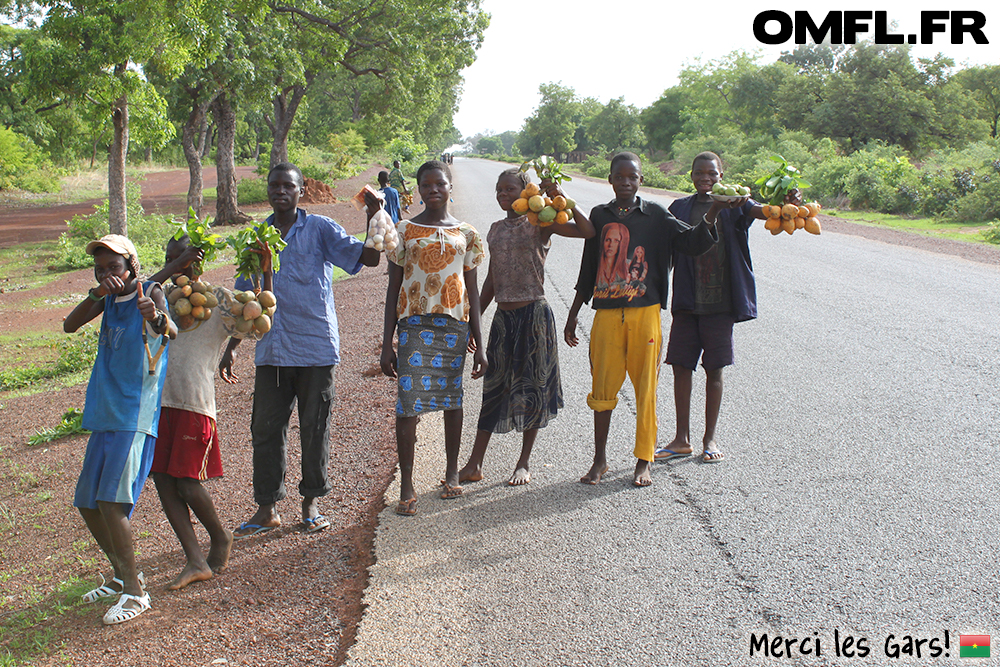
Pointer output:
x,y
117,212
285,104
227,210
193,142
207,140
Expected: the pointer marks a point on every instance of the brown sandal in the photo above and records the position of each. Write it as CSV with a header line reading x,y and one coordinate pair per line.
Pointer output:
x,y
407,507
451,492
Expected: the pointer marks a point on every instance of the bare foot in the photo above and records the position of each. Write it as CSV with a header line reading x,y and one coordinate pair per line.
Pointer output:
x,y
642,476
595,473
218,554
470,473
190,574
520,477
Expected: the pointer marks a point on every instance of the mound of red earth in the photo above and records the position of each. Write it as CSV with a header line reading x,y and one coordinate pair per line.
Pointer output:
x,y
317,192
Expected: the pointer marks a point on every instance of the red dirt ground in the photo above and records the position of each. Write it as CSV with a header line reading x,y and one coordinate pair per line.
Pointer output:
x,y
287,597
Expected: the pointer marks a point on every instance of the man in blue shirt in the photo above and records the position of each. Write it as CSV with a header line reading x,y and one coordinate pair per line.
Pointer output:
x,y
391,196
296,360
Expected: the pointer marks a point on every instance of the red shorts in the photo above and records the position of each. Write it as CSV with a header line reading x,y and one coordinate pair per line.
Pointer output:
x,y
187,445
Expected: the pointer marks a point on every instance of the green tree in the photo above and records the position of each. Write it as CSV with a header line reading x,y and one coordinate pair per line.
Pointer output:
x,y
664,119
879,93
617,125
984,84
415,47
98,50
491,145
552,128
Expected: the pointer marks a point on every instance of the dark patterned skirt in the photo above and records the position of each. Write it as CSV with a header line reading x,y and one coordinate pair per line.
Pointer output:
x,y
430,363
521,390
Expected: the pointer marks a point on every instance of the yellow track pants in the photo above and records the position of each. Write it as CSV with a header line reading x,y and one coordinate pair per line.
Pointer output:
x,y
628,340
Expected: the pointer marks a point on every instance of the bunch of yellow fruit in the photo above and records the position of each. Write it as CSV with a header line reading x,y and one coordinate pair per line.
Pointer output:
x,y
257,309
190,300
790,217
541,210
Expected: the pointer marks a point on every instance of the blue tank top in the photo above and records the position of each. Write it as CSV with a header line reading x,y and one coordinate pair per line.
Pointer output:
x,y
121,394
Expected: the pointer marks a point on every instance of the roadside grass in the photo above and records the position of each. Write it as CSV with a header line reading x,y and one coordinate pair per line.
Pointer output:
x,y
32,632
81,184
31,363
957,231
29,265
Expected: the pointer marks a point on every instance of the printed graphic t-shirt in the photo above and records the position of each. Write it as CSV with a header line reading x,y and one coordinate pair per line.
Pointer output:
x,y
627,263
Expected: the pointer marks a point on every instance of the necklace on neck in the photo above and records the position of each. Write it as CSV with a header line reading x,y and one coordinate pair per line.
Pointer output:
x,y
623,210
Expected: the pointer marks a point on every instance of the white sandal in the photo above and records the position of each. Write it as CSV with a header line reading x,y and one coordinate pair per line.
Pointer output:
x,y
105,591
119,613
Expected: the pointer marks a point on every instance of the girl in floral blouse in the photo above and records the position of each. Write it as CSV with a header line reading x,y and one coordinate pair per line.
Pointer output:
x,y
433,304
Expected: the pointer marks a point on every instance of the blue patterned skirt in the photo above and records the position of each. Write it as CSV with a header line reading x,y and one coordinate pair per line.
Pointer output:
x,y
521,389
430,363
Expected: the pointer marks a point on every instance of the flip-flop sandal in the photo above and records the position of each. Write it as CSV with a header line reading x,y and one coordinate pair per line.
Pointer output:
x,y
253,528
316,524
666,454
713,457
105,591
451,492
407,507
120,613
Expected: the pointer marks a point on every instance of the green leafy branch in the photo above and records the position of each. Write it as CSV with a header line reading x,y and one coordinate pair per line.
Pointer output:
x,y
547,169
199,236
248,244
777,184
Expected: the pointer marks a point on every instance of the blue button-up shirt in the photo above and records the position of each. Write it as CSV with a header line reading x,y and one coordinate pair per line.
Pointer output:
x,y
304,328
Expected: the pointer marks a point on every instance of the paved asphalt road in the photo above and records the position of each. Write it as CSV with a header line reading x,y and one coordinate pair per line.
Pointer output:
x,y
858,498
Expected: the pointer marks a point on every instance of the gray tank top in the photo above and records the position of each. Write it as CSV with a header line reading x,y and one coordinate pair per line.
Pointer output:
x,y
517,260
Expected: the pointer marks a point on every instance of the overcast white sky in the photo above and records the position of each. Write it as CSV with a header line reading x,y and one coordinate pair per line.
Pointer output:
x,y
637,48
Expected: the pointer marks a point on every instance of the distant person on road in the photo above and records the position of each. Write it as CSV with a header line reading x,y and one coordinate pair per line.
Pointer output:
x,y
391,196
187,443
626,336
521,390
121,411
397,181
432,303
711,293
297,359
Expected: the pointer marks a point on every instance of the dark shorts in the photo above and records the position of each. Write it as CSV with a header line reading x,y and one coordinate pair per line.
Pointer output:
x,y
709,337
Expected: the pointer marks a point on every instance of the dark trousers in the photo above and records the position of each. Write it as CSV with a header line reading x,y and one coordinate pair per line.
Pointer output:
x,y
276,389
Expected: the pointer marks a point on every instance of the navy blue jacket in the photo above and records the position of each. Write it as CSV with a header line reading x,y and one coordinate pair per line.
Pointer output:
x,y
735,225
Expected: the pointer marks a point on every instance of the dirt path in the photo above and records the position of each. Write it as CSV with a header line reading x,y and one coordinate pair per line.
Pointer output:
x,y
162,192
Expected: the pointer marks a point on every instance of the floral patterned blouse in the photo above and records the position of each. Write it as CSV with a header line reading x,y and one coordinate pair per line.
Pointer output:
x,y
434,260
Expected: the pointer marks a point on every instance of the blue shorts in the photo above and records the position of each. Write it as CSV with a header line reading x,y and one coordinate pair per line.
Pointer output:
x,y
115,468
709,337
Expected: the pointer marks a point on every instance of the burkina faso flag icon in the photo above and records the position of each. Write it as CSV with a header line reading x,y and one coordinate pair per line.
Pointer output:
x,y
974,646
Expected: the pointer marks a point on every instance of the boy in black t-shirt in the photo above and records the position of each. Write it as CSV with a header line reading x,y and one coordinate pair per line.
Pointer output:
x,y
625,270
